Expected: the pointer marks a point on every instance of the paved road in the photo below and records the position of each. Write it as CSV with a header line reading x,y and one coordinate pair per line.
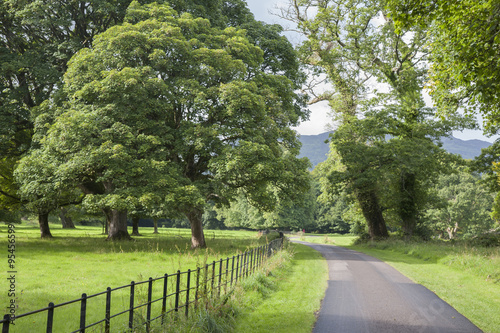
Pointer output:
x,y
366,295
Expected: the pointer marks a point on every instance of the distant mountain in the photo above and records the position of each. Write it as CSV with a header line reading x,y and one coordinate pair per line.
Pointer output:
x,y
315,148
468,149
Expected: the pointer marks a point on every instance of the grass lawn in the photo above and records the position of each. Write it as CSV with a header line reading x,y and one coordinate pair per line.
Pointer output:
x,y
82,261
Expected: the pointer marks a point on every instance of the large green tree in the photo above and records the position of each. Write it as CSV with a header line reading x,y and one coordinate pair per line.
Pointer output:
x,y
466,206
37,38
384,131
464,43
169,99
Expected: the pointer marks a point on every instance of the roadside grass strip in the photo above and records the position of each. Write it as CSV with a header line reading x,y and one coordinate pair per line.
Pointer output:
x,y
288,299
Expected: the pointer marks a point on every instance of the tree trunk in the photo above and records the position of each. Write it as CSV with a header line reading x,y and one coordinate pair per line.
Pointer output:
x,y
107,214
67,222
43,221
197,236
155,224
135,226
408,206
372,212
118,225
452,231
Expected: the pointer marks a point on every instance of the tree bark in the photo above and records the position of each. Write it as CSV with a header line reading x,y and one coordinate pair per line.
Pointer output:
x,y
118,225
155,226
452,231
135,226
43,221
107,214
372,212
67,222
197,236
408,206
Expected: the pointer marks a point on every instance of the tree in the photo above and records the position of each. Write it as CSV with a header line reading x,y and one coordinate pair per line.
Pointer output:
x,y
329,214
377,75
464,43
37,38
168,100
466,206
240,214
285,215
41,190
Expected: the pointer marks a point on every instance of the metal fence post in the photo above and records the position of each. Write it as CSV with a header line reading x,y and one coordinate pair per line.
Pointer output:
x,y
213,279
50,317
205,281
107,322
150,296
227,272
177,290
197,287
131,308
232,272
242,265
83,312
220,278
6,323
237,267
164,298
187,291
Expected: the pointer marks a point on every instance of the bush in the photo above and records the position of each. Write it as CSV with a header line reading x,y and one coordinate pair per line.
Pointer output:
x,y
271,235
489,239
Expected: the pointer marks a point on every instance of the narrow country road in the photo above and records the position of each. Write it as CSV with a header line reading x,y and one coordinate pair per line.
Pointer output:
x,y
367,295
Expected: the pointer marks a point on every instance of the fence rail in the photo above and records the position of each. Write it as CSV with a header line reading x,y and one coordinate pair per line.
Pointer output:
x,y
211,280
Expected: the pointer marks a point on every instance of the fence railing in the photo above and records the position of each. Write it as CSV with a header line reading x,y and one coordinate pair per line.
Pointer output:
x,y
176,293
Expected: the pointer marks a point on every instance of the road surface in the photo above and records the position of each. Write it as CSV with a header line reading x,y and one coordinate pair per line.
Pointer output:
x,y
367,295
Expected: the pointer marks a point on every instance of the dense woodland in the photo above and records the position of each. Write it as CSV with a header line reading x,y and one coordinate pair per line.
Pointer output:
x,y
181,112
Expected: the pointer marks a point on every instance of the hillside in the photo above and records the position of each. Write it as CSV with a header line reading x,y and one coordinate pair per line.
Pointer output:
x,y
316,149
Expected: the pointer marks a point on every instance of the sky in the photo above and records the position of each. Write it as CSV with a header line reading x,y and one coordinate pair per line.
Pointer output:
x,y
319,121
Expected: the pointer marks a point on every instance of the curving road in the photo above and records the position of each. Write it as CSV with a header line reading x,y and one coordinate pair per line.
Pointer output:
x,y
367,295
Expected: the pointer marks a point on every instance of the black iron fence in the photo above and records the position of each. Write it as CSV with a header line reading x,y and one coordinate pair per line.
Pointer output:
x,y
141,303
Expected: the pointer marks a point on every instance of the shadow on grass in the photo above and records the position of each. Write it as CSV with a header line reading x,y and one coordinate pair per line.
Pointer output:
x,y
91,240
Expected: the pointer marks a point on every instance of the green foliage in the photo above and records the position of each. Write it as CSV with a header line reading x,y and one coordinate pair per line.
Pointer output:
x,y
464,48
37,39
384,139
285,215
465,208
166,112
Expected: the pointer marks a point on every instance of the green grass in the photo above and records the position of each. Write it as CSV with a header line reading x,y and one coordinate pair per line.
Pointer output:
x,y
467,277
82,261
332,239
288,303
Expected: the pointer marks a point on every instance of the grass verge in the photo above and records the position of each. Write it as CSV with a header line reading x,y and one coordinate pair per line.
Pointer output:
x,y
285,299
270,300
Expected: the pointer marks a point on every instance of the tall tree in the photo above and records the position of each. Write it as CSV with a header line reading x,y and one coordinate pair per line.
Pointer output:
x,y
37,38
167,98
466,208
377,75
464,44
325,25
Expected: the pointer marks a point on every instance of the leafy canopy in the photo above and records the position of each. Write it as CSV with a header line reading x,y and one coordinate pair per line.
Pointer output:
x,y
169,104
